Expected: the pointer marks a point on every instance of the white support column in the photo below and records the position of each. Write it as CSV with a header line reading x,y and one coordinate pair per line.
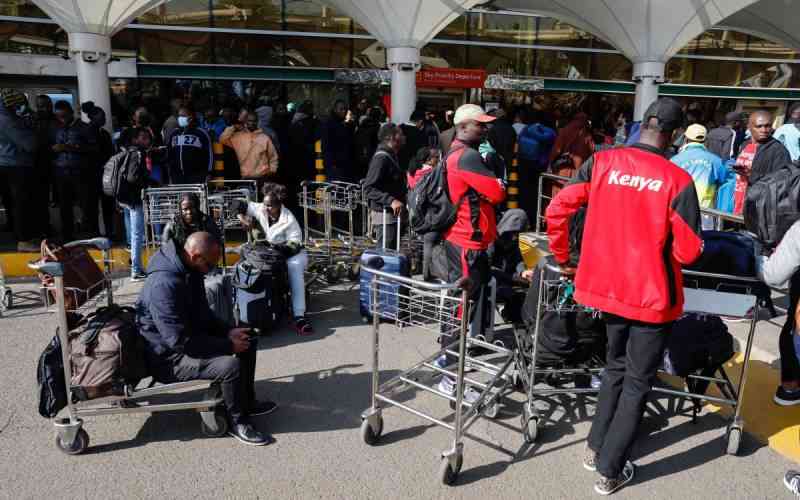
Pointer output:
x,y
91,54
648,76
404,63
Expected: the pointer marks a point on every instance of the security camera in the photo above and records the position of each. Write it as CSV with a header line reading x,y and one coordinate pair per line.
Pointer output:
x,y
90,56
406,67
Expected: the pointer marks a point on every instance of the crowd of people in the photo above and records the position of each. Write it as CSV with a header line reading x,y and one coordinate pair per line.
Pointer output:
x,y
640,186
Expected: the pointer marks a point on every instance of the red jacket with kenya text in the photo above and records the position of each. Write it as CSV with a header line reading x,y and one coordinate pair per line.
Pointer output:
x,y
642,224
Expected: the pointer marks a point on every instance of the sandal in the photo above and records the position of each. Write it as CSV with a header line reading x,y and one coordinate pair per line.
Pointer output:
x,y
303,327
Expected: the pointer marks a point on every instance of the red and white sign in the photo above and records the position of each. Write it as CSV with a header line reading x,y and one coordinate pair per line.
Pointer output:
x,y
451,78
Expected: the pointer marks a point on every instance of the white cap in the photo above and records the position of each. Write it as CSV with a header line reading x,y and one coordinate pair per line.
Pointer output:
x,y
469,112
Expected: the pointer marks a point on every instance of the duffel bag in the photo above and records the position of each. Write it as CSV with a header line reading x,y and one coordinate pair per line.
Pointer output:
x,y
106,353
697,343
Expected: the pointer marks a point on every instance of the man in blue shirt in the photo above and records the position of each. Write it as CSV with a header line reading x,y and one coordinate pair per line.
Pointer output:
x,y
789,133
706,168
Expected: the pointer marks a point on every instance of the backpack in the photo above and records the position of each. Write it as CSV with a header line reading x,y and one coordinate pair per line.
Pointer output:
x,y
772,204
266,258
429,202
50,378
124,176
106,353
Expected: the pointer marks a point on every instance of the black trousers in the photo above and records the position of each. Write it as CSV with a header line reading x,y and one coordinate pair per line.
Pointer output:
x,y
73,189
790,368
17,184
529,187
235,374
429,240
634,353
473,264
108,206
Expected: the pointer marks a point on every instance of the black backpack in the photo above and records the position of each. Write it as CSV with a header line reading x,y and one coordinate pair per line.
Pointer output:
x,y
697,343
125,175
50,378
772,204
429,202
268,259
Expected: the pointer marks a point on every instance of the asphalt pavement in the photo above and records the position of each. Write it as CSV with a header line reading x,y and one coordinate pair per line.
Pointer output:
x,y
322,385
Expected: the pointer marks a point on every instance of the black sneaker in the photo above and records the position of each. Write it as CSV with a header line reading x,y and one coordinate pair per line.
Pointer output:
x,y
792,481
247,434
262,408
787,398
608,485
590,460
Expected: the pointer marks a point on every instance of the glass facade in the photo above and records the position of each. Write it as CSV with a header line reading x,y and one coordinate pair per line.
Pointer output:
x,y
248,33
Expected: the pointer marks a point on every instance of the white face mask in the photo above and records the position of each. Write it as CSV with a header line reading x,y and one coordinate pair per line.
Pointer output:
x,y
183,121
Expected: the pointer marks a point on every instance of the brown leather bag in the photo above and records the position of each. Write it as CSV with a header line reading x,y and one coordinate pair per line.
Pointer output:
x,y
82,276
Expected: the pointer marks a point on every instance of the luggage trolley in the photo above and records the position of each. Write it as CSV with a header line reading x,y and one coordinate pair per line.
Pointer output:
x,y
162,203
556,295
71,437
434,308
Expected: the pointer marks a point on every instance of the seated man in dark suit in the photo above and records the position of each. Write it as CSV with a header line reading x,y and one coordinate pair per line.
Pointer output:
x,y
186,342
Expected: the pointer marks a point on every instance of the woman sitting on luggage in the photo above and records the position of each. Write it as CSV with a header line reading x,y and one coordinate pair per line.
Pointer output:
x,y
189,220
507,265
282,231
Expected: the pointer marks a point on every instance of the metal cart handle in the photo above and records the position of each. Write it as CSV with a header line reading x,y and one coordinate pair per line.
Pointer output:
x,y
461,283
51,268
99,243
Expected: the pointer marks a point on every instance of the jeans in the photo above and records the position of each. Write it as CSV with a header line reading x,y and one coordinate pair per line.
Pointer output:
x,y
134,228
634,353
790,367
297,267
235,374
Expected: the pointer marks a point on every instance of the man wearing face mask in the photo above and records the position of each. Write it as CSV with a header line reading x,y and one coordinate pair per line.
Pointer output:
x,y
257,155
184,341
17,147
73,142
190,157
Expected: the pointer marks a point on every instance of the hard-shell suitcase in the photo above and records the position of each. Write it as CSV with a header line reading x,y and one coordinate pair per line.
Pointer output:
x,y
388,261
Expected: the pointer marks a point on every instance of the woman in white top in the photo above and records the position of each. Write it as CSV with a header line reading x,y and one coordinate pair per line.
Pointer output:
x,y
283,232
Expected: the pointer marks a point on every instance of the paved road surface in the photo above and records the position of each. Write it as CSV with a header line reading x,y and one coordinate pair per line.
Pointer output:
x,y
321,383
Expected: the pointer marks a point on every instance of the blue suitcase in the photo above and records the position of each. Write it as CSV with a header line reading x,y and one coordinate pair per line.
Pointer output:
x,y
389,295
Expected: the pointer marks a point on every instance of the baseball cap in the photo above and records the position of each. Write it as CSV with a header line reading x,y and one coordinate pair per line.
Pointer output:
x,y
696,133
733,116
668,113
469,112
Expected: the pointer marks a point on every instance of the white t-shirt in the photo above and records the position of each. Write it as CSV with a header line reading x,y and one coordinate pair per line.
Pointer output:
x,y
285,230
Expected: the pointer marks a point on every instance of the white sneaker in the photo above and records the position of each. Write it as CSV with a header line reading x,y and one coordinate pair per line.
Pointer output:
x,y
448,386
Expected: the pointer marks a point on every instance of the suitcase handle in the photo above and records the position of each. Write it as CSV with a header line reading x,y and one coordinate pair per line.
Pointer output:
x,y
399,225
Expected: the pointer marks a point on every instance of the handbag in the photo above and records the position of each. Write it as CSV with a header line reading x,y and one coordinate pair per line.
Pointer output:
x,y
81,274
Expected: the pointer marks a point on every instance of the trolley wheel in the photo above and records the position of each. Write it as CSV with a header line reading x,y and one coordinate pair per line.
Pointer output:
x,y
530,428
77,447
368,434
7,300
734,438
447,474
492,410
220,426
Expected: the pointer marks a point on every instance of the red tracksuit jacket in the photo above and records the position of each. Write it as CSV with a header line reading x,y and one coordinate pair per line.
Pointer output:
x,y
470,178
642,224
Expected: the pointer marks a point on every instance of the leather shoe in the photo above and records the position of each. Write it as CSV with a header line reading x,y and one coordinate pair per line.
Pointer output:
x,y
247,434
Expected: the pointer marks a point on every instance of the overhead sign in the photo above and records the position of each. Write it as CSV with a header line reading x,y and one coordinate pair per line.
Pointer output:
x,y
451,78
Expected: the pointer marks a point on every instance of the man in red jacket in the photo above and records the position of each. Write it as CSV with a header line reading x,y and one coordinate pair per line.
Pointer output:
x,y
475,189
642,225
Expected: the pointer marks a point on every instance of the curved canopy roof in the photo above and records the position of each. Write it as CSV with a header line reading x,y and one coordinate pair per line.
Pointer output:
x,y
403,23
644,30
775,20
102,17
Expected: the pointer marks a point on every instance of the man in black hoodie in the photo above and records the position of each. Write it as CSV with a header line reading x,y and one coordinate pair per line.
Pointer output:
x,y
337,144
186,342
